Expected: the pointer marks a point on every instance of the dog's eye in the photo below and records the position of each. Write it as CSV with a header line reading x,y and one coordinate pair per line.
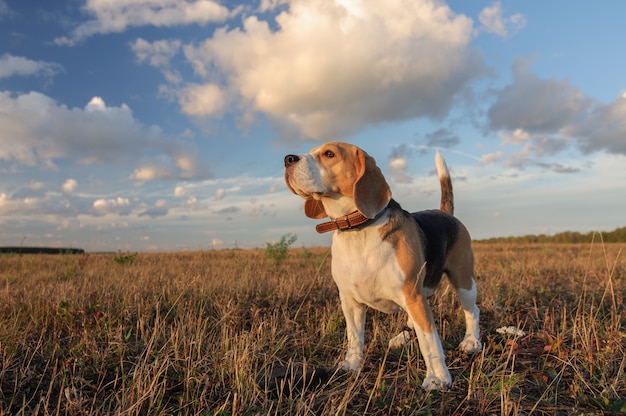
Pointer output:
x,y
329,154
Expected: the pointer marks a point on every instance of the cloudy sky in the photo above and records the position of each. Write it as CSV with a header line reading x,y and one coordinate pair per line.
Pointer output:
x,y
162,124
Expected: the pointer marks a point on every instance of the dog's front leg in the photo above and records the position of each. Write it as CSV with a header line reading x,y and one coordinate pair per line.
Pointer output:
x,y
437,374
354,313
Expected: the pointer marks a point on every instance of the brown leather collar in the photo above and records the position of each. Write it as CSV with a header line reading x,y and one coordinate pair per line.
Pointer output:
x,y
350,221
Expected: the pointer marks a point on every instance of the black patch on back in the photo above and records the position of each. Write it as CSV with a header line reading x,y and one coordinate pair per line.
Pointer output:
x,y
438,232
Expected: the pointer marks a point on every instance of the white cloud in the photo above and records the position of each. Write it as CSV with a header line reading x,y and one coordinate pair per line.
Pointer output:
x,y
115,16
191,203
329,69
219,194
398,163
18,65
70,186
534,104
105,222
181,165
37,200
159,210
493,21
10,206
119,205
149,173
98,104
179,192
520,158
490,157
37,130
603,128
398,168
202,100
548,116
44,206
105,204
158,53
442,138
268,5
517,136
188,163
36,185
545,145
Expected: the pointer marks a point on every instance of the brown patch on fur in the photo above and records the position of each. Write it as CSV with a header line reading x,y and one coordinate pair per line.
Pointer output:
x,y
354,174
371,191
341,169
394,223
460,261
401,232
314,208
419,310
447,199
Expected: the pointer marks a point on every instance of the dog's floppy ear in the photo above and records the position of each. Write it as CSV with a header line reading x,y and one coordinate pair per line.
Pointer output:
x,y
314,209
371,191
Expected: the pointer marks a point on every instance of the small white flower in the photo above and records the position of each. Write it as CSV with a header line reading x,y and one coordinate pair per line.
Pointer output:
x,y
511,330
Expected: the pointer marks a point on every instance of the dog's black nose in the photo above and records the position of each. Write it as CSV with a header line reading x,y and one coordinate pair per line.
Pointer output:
x,y
290,160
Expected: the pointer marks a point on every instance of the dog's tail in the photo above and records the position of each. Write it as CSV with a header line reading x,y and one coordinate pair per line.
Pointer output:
x,y
447,198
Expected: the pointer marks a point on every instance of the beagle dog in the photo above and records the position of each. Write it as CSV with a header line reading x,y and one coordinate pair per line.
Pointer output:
x,y
384,257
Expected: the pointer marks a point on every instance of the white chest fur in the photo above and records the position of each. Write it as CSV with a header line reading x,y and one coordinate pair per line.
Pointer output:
x,y
365,269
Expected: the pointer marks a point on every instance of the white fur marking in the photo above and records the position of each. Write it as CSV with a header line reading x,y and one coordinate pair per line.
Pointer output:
x,y
442,168
437,374
307,178
471,342
400,340
354,313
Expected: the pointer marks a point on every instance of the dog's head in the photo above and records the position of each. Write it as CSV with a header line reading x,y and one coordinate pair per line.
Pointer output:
x,y
337,174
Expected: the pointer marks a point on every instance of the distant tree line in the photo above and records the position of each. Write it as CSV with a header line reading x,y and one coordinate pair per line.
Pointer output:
x,y
41,250
616,236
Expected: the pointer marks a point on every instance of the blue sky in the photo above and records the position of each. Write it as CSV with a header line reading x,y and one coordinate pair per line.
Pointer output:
x,y
160,125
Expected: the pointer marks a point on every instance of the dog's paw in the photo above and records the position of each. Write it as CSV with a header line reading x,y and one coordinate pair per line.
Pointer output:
x,y
400,340
432,382
470,345
351,363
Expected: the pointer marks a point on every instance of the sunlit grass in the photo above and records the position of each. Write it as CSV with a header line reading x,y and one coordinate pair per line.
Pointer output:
x,y
201,333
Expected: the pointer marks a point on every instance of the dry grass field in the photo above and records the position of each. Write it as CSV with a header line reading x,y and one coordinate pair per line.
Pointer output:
x,y
204,333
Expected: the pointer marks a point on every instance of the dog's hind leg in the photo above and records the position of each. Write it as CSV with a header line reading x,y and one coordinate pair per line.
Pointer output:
x,y
460,271
464,284
471,342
